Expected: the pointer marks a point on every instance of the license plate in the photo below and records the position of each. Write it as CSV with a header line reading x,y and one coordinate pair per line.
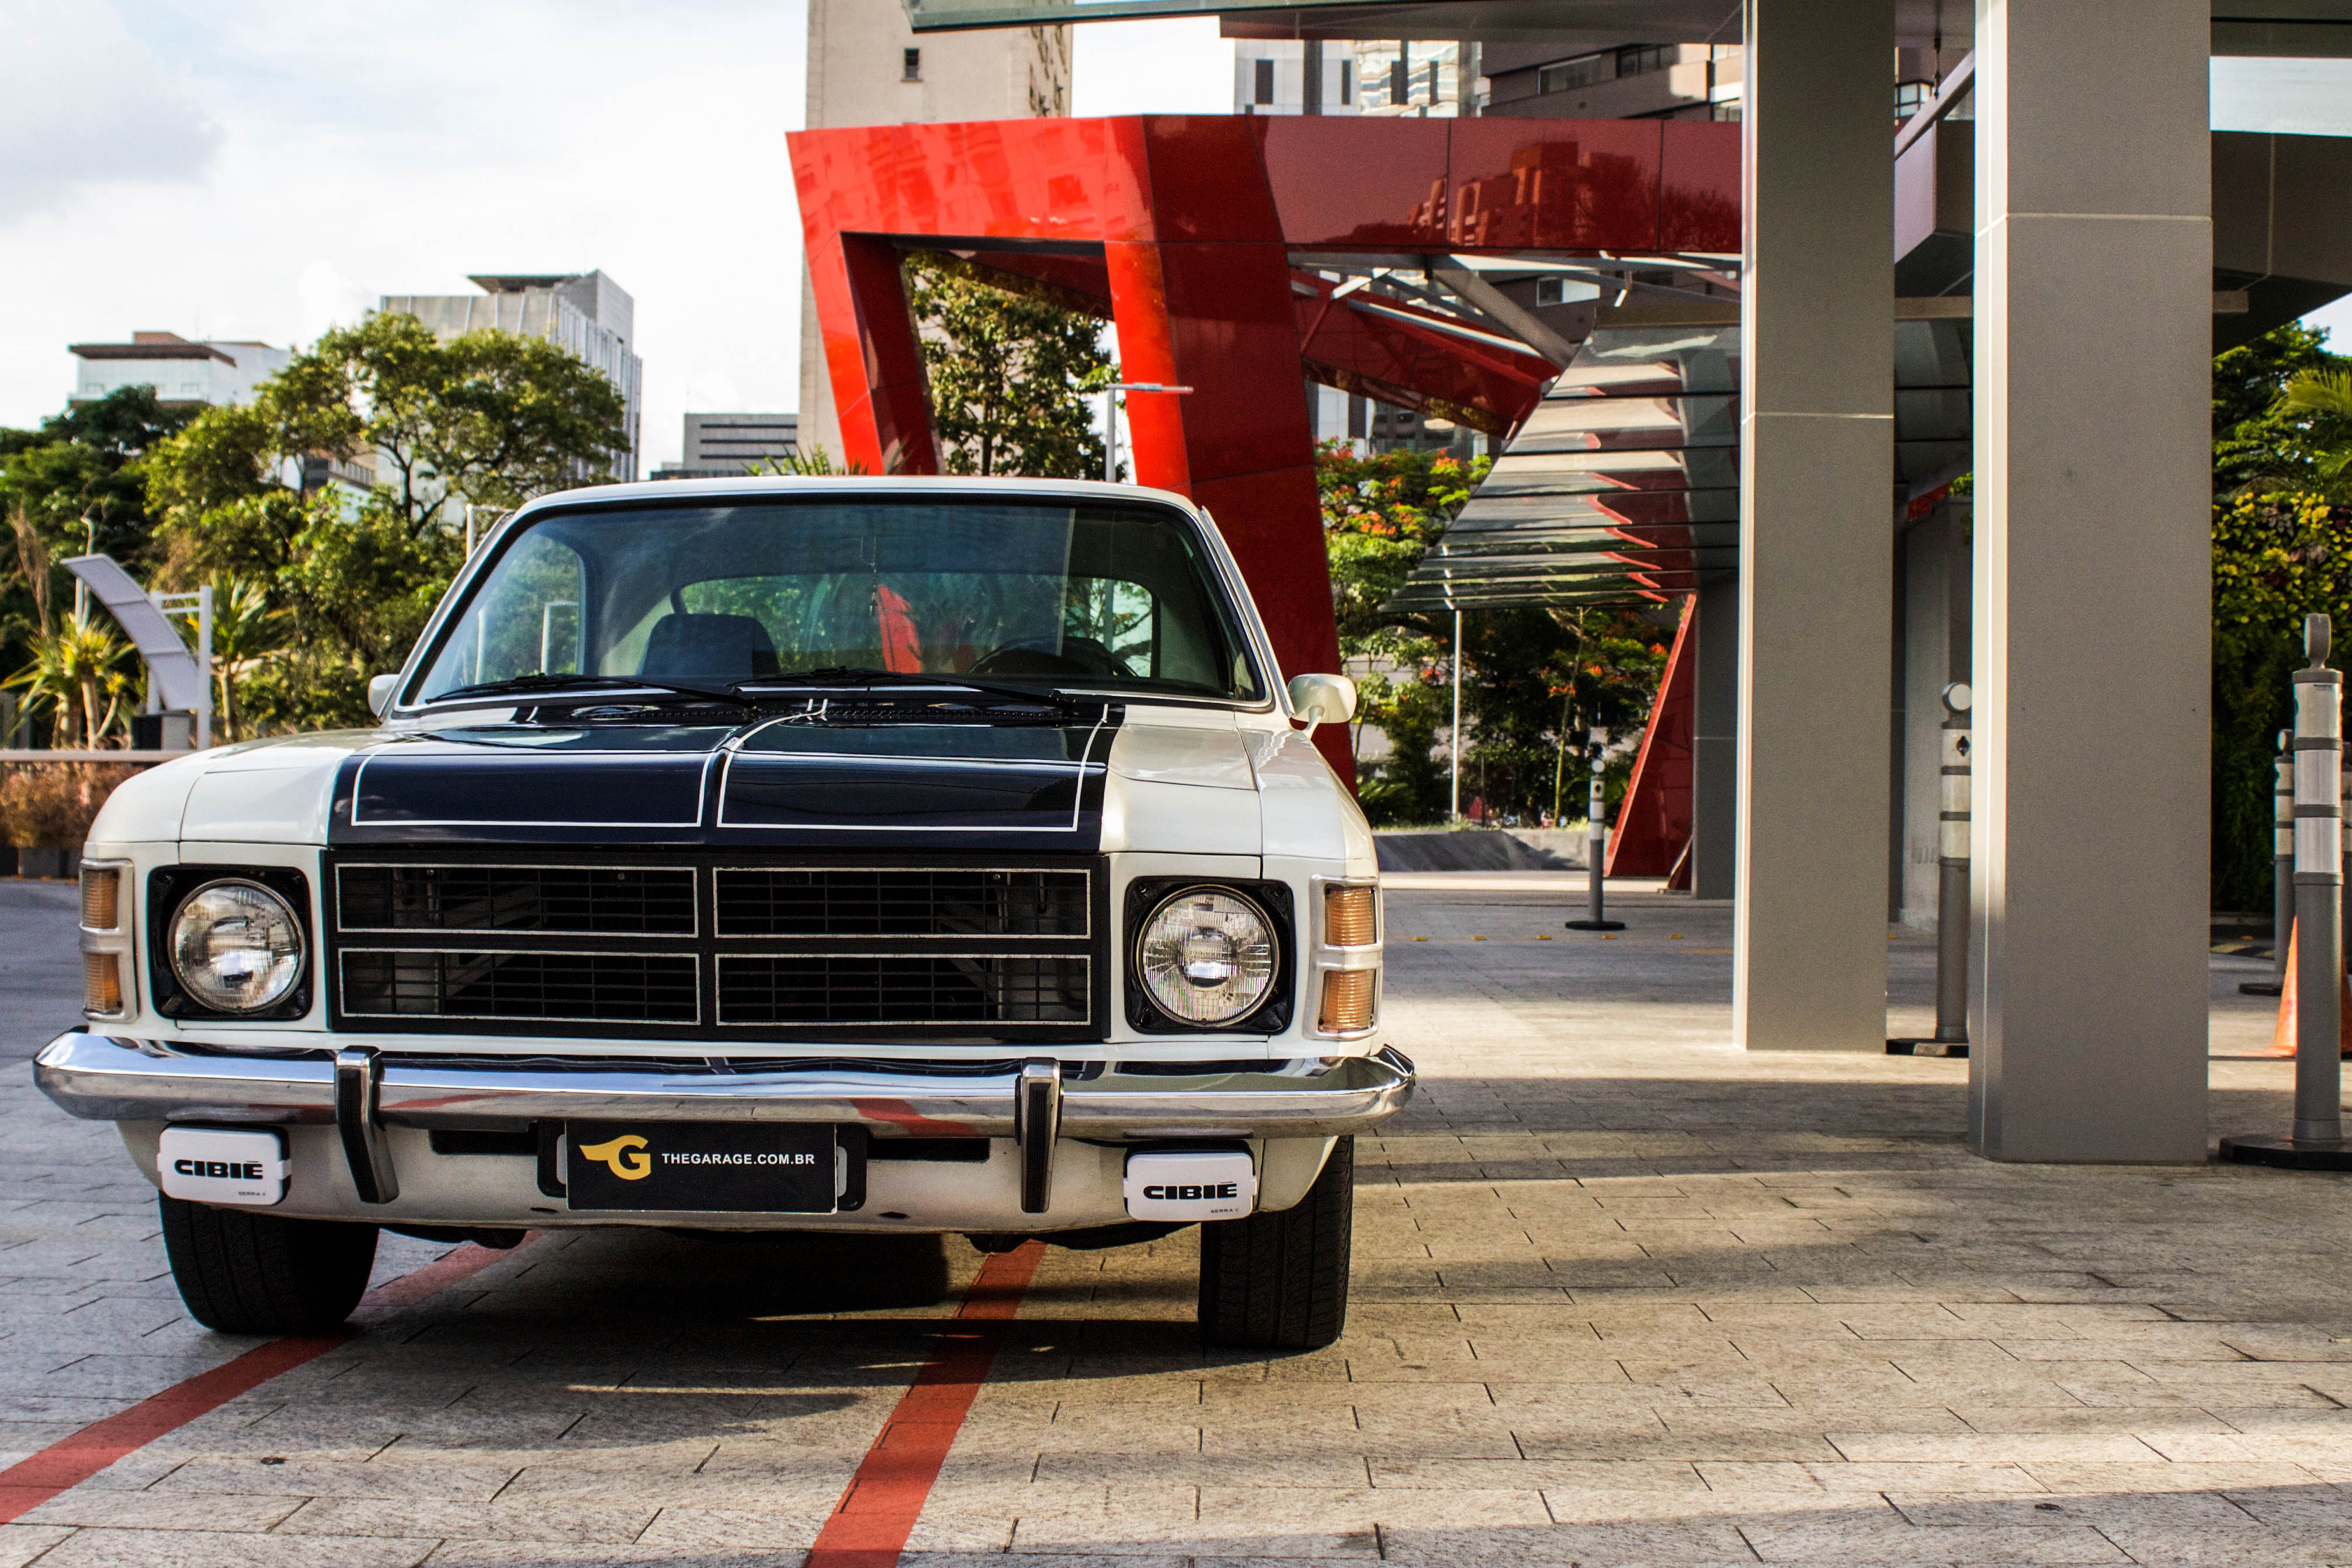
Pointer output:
x,y
739,1167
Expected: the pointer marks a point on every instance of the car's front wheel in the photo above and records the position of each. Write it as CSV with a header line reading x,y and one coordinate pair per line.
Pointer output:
x,y
247,1273
1280,1281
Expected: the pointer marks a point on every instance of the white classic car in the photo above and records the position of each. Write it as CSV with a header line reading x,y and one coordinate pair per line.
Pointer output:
x,y
859,855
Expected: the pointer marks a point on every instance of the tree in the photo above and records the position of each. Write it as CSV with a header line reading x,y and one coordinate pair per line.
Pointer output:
x,y
77,484
1008,376
349,578
1535,680
2282,549
2257,444
487,417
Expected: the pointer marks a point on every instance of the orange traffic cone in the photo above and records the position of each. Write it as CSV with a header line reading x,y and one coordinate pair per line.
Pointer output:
x,y
2282,1036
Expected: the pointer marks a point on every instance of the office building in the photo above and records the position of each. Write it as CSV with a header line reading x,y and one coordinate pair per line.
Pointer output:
x,y
1281,76
585,313
867,66
722,445
182,371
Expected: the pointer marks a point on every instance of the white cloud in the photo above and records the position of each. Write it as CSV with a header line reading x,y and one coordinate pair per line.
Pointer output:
x,y
84,102
324,297
362,153
353,151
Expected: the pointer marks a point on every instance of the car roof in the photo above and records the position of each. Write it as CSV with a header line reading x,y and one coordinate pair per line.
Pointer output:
x,y
686,491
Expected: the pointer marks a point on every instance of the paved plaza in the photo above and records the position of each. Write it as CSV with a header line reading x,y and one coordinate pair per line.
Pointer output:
x,y
1622,1296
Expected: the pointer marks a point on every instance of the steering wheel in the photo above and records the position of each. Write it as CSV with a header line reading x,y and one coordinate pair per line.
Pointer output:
x,y
1035,656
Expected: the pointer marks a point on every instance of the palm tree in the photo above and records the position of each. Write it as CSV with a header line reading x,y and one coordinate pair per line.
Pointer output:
x,y
72,667
2324,399
245,631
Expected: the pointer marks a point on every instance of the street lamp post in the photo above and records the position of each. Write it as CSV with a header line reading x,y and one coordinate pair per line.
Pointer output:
x,y
1454,807
1110,418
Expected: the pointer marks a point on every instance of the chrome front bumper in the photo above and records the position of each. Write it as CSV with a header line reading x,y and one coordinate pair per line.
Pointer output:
x,y
102,1078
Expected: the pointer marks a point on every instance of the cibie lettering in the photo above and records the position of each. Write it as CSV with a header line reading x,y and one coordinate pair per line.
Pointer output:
x,y
220,1170
1193,1192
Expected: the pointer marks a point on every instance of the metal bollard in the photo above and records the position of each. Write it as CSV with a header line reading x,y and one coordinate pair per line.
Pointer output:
x,y
1951,1036
1596,847
2318,1143
2281,870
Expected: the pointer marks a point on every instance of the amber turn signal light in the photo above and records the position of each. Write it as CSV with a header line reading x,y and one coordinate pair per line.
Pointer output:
x,y
1350,917
1346,1000
101,898
101,984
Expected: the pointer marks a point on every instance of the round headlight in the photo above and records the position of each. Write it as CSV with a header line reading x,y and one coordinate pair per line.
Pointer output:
x,y
1206,956
236,947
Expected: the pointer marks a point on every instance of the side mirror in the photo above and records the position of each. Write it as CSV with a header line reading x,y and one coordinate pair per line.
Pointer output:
x,y
380,690
1322,699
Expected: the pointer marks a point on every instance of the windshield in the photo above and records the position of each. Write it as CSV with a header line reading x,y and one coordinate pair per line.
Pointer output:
x,y
1096,596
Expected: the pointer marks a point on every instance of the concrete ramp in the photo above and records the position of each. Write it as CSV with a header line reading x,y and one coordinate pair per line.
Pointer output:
x,y
1473,849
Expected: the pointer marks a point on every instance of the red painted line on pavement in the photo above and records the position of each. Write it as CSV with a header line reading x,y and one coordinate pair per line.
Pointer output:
x,y
71,1461
877,1514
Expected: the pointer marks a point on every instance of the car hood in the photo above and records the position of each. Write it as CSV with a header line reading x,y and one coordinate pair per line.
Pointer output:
x,y
1108,779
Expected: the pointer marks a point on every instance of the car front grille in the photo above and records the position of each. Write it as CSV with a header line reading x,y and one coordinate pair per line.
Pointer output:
x,y
901,988
721,949
550,987
555,899
890,902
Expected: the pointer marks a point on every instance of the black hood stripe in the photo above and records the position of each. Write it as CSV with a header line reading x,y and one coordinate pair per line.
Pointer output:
x,y
597,789
828,798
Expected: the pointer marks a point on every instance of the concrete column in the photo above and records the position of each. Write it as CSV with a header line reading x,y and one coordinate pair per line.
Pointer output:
x,y
2094,280
1715,740
1816,549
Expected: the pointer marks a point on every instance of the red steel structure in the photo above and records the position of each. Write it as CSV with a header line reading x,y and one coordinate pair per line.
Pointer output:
x,y
1200,238
1653,835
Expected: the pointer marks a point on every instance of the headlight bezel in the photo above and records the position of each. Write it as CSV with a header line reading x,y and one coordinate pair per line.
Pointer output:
x,y
1273,1013
170,886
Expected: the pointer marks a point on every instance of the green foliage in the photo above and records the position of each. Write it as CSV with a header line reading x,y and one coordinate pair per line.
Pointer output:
x,y
1380,514
1534,681
330,585
2282,549
814,463
77,484
2257,444
1008,376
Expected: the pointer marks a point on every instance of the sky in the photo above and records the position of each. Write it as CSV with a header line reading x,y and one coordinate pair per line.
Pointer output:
x,y
264,169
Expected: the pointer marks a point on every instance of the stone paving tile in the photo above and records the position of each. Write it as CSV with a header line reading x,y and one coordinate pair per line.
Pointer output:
x,y
1623,1297
198,1549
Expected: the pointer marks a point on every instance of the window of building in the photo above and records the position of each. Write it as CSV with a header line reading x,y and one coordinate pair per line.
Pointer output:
x,y
1263,91
1551,290
1346,81
1583,71
1400,78
1432,81
913,70
1643,59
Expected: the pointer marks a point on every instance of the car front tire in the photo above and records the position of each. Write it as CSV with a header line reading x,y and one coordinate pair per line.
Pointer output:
x,y
247,1273
1280,1281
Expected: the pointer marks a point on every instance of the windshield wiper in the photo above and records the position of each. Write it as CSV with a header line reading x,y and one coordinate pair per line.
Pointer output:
x,y
862,674
521,685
